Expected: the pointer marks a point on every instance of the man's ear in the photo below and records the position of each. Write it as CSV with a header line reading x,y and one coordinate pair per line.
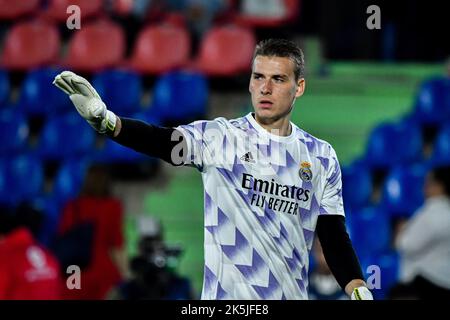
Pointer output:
x,y
300,87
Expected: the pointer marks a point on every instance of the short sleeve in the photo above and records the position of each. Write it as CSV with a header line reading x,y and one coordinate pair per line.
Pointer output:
x,y
332,202
203,142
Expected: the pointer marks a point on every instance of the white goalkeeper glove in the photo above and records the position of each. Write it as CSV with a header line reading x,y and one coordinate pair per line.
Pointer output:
x,y
361,293
87,101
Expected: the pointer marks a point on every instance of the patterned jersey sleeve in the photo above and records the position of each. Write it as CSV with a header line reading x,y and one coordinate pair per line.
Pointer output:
x,y
332,202
203,142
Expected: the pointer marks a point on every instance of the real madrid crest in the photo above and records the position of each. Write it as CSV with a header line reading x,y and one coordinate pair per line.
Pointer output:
x,y
305,172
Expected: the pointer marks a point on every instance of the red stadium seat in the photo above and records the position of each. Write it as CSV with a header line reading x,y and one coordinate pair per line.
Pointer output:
x,y
98,45
226,51
159,49
29,45
57,9
10,10
291,11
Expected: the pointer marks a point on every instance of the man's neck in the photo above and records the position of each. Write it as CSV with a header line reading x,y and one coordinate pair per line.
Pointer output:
x,y
280,127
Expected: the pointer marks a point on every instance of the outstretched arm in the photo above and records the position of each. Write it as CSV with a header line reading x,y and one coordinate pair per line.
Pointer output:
x,y
145,138
341,257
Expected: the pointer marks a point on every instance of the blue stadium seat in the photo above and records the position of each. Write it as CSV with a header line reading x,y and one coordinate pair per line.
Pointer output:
x,y
382,272
4,87
441,149
432,104
179,96
408,141
23,179
403,190
39,96
13,132
356,186
381,148
66,137
69,179
113,152
120,90
370,230
51,211
4,193
390,144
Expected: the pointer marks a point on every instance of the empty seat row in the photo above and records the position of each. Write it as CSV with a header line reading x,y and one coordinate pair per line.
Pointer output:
x,y
224,50
401,190
176,96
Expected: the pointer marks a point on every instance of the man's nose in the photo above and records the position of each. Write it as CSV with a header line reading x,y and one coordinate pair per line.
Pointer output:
x,y
266,88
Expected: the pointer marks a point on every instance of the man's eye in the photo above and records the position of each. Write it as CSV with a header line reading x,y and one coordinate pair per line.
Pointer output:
x,y
256,76
279,79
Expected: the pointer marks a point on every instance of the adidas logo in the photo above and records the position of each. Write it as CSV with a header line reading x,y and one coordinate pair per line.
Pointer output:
x,y
248,157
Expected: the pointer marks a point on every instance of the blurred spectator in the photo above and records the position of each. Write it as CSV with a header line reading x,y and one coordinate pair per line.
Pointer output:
x,y
322,284
263,8
153,269
424,243
199,14
96,205
28,271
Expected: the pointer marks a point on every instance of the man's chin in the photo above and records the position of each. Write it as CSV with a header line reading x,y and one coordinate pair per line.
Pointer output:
x,y
266,115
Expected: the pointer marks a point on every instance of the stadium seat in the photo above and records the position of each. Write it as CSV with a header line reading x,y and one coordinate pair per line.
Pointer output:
x,y
390,144
370,230
381,147
51,211
226,51
408,141
24,178
432,104
120,90
65,137
356,186
69,179
160,49
403,190
30,45
38,96
57,9
180,95
96,46
441,147
13,132
4,87
4,192
12,10
113,152
290,11
382,272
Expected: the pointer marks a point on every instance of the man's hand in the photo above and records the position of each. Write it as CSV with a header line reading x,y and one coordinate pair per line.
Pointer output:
x,y
87,102
361,293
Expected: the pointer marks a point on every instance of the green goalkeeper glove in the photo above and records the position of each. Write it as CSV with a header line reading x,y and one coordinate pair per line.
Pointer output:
x,y
87,101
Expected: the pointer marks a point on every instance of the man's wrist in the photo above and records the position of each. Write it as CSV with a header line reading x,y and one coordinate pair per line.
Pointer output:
x,y
118,127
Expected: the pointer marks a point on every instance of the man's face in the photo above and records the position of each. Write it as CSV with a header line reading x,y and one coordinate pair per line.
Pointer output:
x,y
273,87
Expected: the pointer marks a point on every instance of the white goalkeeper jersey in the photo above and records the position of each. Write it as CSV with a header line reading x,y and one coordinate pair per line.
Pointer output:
x,y
263,194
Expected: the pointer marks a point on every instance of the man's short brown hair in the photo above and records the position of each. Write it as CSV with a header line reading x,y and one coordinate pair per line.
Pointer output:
x,y
282,48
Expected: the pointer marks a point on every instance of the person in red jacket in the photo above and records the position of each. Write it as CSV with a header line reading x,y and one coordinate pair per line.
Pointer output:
x,y
28,271
108,262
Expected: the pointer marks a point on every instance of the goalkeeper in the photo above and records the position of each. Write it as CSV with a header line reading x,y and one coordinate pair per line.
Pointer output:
x,y
269,186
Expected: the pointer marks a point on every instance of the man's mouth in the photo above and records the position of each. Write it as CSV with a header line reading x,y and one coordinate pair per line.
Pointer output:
x,y
265,103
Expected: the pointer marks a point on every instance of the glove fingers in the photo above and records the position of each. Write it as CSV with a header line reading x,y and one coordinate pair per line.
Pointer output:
x,y
82,86
63,85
